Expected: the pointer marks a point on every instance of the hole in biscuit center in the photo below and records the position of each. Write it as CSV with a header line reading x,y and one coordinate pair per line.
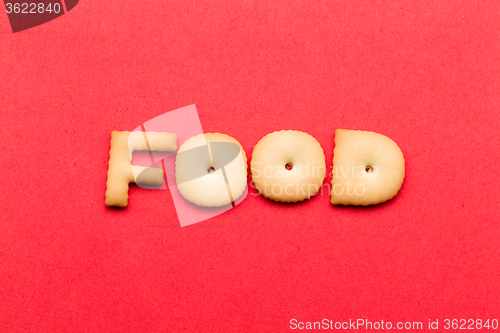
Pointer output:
x,y
211,169
369,168
289,166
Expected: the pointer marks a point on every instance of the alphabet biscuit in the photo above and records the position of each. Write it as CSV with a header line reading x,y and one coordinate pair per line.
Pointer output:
x,y
121,173
211,170
368,168
288,166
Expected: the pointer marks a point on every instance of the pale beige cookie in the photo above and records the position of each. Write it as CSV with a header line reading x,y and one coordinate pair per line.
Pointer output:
x,y
368,168
288,166
211,170
121,173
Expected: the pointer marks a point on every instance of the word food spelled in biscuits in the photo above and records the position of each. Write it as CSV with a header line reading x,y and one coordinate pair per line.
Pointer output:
x,y
286,166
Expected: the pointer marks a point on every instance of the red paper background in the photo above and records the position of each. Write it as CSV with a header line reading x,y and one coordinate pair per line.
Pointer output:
x,y
426,75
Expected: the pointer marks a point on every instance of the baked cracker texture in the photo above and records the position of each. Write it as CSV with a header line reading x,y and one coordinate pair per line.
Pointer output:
x,y
288,166
211,170
121,172
368,168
